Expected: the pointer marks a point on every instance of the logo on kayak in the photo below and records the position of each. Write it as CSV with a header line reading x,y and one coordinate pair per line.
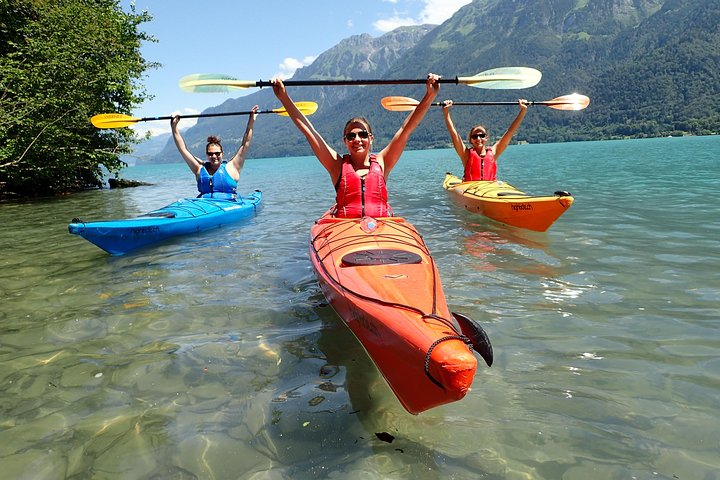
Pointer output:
x,y
358,316
368,224
520,207
144,230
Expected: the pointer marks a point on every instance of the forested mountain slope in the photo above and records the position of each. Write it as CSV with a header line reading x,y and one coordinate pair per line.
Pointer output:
x,y
650,67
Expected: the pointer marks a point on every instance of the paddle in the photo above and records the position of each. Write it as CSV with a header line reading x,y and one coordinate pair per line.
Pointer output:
x,y
117,120
574,101
497,78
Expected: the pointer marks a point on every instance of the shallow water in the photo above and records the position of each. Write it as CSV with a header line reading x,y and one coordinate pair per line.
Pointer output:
x,y
215,355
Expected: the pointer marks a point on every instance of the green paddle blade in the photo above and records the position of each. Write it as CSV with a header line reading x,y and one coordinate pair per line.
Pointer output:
x,y
212,83
506,78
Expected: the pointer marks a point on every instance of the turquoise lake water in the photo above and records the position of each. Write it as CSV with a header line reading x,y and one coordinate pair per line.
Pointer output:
x,y
215,356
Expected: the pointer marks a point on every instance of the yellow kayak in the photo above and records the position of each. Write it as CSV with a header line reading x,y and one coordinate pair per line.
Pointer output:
x,y
504,203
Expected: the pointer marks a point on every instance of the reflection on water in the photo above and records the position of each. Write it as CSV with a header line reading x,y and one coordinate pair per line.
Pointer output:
x,y
491,239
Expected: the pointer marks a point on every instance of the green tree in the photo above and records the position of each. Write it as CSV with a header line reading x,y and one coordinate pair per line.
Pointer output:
x,y
62,61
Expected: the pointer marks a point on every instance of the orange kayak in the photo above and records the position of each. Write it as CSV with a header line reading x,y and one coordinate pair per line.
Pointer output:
x,y
378,275
504,203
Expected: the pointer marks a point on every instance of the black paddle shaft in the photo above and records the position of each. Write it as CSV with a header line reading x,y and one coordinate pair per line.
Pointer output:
x,y
321,83
201,115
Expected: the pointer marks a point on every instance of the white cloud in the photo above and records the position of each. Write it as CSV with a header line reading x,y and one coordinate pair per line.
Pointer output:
x,y
386,24
163,126
434,12
186,111
437,11
289,65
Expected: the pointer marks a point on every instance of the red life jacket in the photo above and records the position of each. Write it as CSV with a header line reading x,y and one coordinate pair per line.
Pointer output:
x,y
480,167
359,197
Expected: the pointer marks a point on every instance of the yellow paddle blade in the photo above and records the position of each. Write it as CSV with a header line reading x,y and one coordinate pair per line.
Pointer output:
x,y
504,78
307,108
113,120
571,102
399,104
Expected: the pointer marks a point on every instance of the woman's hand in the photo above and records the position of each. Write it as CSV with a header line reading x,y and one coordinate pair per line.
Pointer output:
x,y
278,86
432,84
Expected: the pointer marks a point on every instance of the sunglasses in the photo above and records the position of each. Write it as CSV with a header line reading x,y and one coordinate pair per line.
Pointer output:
x,y
350,136
475,136
212,154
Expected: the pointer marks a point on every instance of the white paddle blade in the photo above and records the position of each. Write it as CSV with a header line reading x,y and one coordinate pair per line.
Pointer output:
x,y
212,83
507,78
399,104
572,102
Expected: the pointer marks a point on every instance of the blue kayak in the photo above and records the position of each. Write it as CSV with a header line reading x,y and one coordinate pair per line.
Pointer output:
x,y
185,216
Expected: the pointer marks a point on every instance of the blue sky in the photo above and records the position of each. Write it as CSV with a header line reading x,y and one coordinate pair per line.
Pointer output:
x,y
255,40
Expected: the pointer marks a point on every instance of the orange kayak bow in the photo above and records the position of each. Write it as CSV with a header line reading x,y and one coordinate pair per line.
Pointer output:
x,y
380,278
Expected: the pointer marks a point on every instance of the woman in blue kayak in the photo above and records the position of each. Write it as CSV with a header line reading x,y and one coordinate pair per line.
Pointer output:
x,y
479,160
359,177
216,178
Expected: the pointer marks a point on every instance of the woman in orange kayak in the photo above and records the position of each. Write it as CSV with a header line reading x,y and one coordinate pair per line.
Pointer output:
x,y
479,161
359,176
216,178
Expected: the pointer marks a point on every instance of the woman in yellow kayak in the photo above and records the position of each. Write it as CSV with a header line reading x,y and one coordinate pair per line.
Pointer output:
x,y
216,178
360,176
479,161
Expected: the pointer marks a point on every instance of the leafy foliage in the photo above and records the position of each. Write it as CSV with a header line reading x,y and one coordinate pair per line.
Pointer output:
x,y
61,61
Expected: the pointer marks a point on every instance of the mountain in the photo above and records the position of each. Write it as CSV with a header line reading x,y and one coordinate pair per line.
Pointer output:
x,y
147,149
666,77
359,56
650,68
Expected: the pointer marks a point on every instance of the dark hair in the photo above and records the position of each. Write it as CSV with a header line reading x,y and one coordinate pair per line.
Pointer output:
x,y
213,140
362,120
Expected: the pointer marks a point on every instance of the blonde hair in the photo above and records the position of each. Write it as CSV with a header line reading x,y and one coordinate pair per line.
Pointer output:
x,y
361,120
